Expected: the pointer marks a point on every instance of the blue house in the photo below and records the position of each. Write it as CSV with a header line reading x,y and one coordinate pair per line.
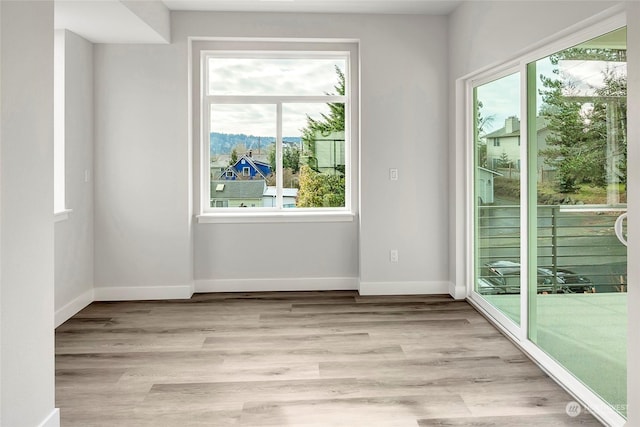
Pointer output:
x,y
246,168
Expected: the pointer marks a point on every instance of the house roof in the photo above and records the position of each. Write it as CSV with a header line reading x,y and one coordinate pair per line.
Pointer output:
x,y
286,192
480,168
236,168
541,124
249,189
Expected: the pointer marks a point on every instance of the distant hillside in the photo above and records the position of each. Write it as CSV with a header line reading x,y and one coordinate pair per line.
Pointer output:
x,y
223,143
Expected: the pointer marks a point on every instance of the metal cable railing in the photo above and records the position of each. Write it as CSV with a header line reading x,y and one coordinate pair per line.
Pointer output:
x,y
576,249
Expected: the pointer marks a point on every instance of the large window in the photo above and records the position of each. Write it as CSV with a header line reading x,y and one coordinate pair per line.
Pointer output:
x,y
275,131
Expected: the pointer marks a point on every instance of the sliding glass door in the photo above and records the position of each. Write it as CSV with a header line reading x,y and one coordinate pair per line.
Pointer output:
x,y
497,165
578,188
549,197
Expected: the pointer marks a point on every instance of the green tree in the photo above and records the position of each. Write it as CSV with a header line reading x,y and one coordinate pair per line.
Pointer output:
x,y
333,122
482,122
580,133
234,157
609,121
503,161
319,189
290,158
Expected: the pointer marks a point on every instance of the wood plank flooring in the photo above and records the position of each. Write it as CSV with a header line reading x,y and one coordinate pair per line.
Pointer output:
x,y
298,359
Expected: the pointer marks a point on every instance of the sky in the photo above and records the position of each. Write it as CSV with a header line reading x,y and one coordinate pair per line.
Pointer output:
x,y
501,98
269,76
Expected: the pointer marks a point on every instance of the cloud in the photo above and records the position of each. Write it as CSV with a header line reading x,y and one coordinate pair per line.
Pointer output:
x,y
274,77
588,75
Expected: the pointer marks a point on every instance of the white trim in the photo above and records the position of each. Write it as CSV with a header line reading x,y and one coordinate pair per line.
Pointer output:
x,y
274,99
134,293
62,215
53,420
523,328
295,215
405,288
496,316
73,307
59,121
276,285
202,47
457,290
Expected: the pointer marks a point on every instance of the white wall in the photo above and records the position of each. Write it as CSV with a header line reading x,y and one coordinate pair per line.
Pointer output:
x,y
26,214
74,236
477,40
143,164
142,202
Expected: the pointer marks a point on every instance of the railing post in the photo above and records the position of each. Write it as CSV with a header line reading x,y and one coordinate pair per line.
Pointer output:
x,y
554,247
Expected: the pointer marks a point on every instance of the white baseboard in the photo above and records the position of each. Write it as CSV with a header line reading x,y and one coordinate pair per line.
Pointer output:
x,y
53,420
136,293
457,291
72,307
274,285
404,288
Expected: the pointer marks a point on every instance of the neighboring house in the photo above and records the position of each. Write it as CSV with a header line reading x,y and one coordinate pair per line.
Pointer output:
x,y
246,168
504,143
289,196
328,154
218,164
484,185
237,193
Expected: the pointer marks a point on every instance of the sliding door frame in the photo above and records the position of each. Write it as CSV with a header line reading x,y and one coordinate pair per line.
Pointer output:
x,y
519,334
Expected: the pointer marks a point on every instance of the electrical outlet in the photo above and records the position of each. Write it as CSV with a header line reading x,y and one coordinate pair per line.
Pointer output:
x,y
393,255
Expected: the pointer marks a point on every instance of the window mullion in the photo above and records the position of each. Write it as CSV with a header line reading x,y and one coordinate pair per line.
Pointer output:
x,y
279,157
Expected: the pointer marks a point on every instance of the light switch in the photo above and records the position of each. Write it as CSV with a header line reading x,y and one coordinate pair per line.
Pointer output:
x,y
393,174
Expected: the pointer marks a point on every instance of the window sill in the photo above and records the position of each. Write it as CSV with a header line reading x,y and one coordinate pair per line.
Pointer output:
x,y
274,217
61,215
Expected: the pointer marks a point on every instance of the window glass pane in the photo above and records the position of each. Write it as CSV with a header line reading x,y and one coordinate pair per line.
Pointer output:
x,y
241,138
497,194
273,76
313,155
578,303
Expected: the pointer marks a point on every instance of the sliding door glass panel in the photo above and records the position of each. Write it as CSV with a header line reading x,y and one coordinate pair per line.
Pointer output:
x,y
578,187
496,172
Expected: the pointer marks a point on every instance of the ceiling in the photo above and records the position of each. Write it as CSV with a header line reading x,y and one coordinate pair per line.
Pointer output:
x,y
103,21
114,21
429,7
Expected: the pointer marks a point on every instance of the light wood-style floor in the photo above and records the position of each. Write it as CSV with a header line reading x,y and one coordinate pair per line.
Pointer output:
x,y
298,359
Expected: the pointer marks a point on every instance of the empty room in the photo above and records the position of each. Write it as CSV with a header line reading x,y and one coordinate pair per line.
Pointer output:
x,y
319,213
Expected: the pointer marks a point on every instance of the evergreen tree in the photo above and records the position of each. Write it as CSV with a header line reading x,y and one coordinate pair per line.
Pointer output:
x,y
503,161
333,122
322,189
580,135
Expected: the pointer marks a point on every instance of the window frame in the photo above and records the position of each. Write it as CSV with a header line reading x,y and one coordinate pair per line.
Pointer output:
x,y
200,50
